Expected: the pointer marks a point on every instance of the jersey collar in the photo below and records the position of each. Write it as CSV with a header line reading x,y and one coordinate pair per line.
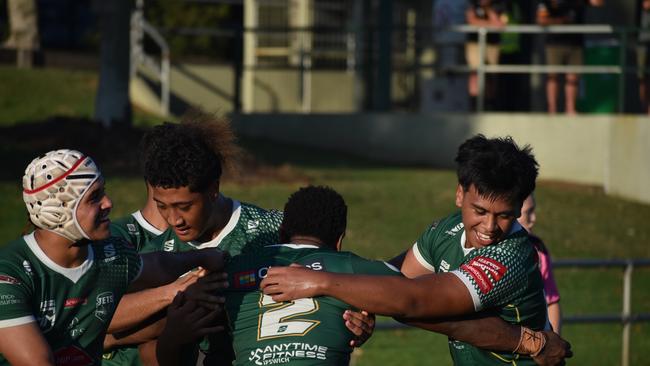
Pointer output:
x,y
145,224
230,226
73,274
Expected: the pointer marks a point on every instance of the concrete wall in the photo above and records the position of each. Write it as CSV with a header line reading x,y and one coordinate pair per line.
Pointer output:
x,y
609,151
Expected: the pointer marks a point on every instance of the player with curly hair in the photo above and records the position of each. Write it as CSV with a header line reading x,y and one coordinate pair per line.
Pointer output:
x,y
479,258
183,164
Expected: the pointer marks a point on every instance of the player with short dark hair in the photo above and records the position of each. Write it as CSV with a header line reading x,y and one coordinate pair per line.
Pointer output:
x,y
61,283
481,257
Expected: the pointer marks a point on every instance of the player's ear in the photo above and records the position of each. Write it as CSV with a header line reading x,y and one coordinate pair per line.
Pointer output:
x,y
339,242
460,193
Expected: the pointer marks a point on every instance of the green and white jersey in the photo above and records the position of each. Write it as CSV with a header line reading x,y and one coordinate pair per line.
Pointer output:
x,y
72,306
135,229
307,331
138,231
249,229
502,278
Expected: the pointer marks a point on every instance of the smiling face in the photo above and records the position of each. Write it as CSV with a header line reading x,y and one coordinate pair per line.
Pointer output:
x,y
487,221
188,213
92,212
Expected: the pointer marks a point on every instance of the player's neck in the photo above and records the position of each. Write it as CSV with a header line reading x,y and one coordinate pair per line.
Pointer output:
x,y
308,240
152,215
60,250
220,217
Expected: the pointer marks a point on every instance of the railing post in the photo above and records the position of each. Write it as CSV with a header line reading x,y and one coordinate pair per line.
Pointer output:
x,y
627,310
622,74
480,98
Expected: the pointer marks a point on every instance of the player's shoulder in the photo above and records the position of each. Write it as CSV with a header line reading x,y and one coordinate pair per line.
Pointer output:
x,y
112,246
251,211
451,225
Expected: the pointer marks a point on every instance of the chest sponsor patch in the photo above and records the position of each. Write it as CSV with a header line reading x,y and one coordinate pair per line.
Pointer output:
x,y
72,356
72,302
245,279
104,306
8,280
485,272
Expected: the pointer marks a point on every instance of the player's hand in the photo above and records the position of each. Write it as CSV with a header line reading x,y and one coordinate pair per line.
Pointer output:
x,y
555,350
205,290
187,321
361,324
293,282
182,283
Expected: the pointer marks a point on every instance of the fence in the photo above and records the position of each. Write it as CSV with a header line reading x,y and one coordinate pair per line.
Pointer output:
x,y
625,317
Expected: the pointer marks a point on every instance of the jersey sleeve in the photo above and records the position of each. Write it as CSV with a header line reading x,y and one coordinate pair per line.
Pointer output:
x,y
494,275
365,266
133,259
15,294
423,248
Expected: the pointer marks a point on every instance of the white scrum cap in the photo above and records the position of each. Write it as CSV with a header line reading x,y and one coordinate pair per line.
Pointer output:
x,y
53,186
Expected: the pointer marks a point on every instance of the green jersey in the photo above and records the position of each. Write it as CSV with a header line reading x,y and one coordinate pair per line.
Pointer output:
x,y
502,278
307,331
249,229
135,229
139,232
72,306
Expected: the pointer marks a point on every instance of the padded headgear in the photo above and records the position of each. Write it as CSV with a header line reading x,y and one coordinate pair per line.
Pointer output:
x,y
53,186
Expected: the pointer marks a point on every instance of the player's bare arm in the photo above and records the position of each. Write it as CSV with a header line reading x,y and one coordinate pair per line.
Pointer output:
x,y
428,296
502,336
14,339
135,307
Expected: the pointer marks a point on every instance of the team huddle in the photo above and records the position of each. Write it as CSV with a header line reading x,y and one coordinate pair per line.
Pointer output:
x,y
195,277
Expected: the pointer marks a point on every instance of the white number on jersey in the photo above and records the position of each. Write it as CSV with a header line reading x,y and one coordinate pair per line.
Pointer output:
x,y
275,321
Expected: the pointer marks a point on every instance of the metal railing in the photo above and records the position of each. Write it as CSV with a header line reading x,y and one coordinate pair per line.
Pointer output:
x,y
139,28
621,34
626,317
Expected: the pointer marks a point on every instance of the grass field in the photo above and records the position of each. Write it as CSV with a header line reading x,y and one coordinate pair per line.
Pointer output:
x,y
388,208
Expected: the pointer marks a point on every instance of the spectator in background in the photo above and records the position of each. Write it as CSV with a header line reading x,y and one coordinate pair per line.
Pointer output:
x,y
527,220
563,49
484,13
643,53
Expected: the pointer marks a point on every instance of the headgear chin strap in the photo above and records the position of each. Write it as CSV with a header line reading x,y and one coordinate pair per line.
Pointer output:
x,y
53,186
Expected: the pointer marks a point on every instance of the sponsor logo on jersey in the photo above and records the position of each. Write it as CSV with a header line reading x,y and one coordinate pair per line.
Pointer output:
x,y
485,272
252,225
284,352
131,228
8,280
444,266
28,268
168,246
8,299
246,279
454,230
47,315
110,254
316,265
72,356
104,306
73,328
72,302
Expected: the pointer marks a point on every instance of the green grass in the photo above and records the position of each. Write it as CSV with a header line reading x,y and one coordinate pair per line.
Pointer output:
x,y
388,209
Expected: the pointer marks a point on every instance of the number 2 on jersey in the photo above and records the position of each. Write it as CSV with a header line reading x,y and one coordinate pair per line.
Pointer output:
x,y
276,321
